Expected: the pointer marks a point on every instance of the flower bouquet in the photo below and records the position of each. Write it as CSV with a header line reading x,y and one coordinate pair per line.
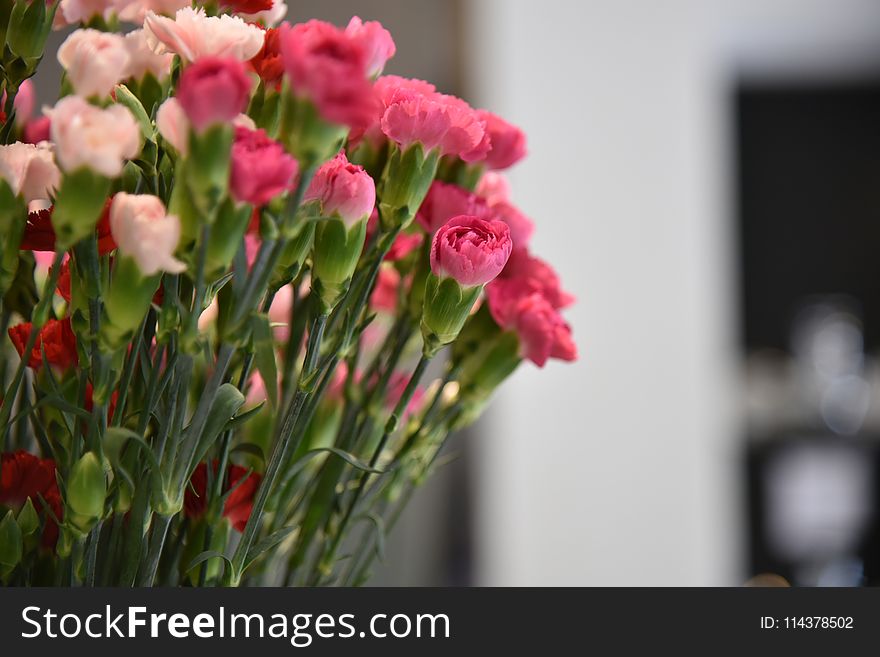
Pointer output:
x,y
250,287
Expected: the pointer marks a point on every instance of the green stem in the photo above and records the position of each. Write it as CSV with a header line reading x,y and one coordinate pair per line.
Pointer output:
x,y
390,426
40,315
280,449
157,541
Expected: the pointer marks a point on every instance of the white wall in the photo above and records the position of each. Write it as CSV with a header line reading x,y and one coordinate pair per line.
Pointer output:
x,y
624,468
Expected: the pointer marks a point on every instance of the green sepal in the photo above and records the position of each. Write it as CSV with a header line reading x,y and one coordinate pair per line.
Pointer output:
x,y
308,137
264,355
10,543
126,302
28,519
404,183
226,236
208,165
78,206
86,491
446,308
294,255
335,255
13,217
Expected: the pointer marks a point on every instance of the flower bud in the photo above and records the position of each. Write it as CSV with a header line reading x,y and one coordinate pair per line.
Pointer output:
x,y
343,190
214,90
466,253
335,255
28,518
10,543
86,491
405,182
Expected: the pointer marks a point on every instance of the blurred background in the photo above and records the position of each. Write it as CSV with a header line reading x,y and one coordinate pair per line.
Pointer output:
x,y
705,176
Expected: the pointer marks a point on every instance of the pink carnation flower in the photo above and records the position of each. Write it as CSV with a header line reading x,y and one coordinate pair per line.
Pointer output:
x,y
329,67
213,90
344,189
446,200
193,35
29,170
142,59
261,169
507,142
374,40
542,332
493,187
471,250
437,121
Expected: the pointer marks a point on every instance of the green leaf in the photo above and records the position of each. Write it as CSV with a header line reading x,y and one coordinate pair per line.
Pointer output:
x,y
205,556
267,544
264,356
250,448
241,418
345,456
127,99
224,407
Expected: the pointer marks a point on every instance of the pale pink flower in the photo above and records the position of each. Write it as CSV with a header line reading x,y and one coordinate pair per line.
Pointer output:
x,y
471,250
213,90
343,189
88,136
493,187
521,227
143,231
142,59
82,11
134,11
192,35
507,142
261,169
374,40
30,170
95,61
279,312
25,102
172,124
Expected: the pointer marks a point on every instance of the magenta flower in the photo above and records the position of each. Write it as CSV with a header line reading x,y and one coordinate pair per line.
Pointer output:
x,y
213,90
344,189
507,143
471,250
261,169
329,67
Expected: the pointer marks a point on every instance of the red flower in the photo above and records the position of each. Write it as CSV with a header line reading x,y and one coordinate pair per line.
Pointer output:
x,y
239,503
40,236
268,63
23,476
56,338
63,286
38,232
247,6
